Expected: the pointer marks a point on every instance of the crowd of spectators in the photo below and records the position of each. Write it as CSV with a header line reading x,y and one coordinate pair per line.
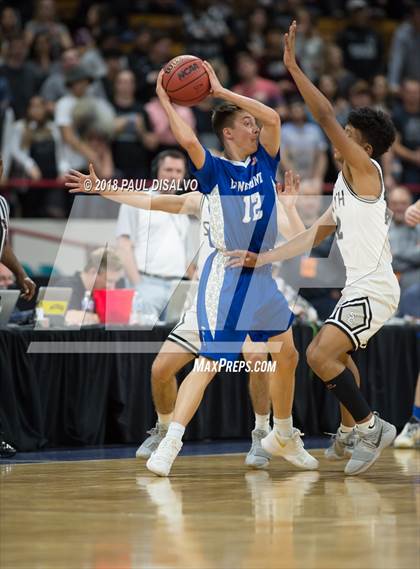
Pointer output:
x,y
80,89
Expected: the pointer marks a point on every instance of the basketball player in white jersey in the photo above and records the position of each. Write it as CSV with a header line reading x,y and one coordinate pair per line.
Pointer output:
x,y
183,342
360,219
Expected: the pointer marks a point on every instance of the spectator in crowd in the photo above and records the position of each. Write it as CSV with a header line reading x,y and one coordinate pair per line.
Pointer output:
x,y
304,149
99,19
152,244
103,270
38,149
146,69
77,152
55,87
160,123
132,136
7,278
114,63
41,56
254,32
317,277
404,240
7,118
381,95
252,85
404,54
359,96
22,78
334,66
271,63
206,26
45,20
362,46
90,55
142,44
10,25
406,117
309,45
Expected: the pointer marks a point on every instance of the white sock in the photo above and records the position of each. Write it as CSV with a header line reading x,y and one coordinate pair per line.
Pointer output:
x,y
165,419
345,429
262,422
176,431
364,427
284,426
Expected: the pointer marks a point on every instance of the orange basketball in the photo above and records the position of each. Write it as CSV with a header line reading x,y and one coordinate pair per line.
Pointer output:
x,y
186,80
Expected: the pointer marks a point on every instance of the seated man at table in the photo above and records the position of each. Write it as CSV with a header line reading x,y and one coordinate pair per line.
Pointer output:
x,y
102,270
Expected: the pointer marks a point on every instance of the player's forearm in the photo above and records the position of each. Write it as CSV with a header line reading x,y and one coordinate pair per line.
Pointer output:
x,y
301,243
181,130
291,224
265,115
9,259
319,106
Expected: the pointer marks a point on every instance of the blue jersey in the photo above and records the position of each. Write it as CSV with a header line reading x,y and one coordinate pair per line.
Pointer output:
x,y
242,200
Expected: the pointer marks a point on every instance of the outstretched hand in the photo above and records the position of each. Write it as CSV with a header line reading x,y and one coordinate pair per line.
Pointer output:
x,y
78,182
289,57
288,194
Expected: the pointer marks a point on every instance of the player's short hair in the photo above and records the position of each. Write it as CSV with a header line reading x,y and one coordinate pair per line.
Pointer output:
x,y
376,128
222,117
105,260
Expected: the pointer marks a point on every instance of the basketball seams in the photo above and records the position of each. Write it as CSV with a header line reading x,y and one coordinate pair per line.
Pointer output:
x,y
186,84
176,69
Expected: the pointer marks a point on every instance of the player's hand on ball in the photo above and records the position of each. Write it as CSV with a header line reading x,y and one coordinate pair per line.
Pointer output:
x,y
412,215
160,91
239,258
78,182
216,88
288,194
289,57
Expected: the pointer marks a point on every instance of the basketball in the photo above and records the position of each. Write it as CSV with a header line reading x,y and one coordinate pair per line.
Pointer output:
x,y
186,80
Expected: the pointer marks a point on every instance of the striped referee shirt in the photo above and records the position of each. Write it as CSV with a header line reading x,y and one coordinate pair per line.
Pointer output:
x,y
4,223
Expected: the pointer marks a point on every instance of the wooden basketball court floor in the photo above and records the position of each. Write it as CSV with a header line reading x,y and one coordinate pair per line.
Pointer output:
x,y
211,513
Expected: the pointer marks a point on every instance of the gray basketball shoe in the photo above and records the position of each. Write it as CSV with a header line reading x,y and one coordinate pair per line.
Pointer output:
x,y
151,443
257,457
341,445
369,446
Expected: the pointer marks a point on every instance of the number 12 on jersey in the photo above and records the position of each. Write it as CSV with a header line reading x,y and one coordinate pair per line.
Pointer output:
x,y
252,202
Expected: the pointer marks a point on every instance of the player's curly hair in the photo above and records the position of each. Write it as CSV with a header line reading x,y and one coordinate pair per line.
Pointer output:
x,y
222,117
376,127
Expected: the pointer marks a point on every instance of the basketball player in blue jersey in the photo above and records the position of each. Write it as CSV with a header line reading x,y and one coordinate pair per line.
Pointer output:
x,y
360,218
240,189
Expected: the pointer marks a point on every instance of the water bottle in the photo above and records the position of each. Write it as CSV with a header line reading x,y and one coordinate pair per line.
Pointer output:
x,y
134,316
88,304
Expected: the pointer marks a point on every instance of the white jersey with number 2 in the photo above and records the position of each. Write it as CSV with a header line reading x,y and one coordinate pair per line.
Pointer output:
x,y
362,234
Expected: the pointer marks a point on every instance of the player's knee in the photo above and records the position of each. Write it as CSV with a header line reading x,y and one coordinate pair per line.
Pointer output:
x,y
316,356
161,368
289,356
254,359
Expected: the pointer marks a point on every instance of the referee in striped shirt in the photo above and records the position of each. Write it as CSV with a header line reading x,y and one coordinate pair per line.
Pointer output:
x,y
27,286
